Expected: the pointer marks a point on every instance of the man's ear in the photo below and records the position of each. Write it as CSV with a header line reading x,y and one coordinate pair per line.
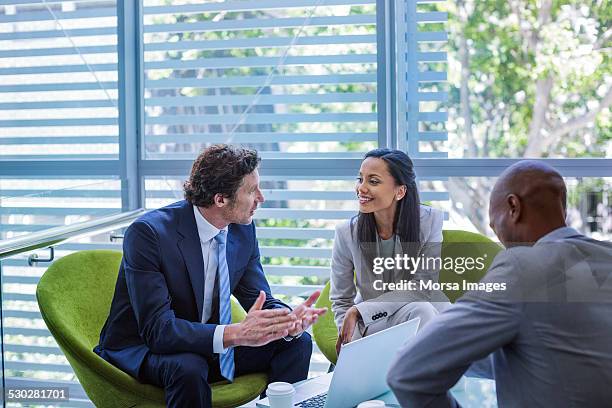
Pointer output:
x,y
514,205
219,200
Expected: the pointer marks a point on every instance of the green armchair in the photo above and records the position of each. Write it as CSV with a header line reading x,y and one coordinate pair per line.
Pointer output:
x,y
74,296
456,243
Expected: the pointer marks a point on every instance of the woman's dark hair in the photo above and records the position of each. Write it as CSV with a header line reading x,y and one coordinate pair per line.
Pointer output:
x,y
219,169
406,224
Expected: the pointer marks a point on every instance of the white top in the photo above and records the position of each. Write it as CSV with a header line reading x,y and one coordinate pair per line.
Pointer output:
x,y
207,233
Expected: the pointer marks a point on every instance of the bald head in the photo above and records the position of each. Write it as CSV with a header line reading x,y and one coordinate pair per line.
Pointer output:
x,y
527,202
538,184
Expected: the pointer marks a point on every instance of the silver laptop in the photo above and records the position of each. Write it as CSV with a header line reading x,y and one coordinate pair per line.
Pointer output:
x,y
360,372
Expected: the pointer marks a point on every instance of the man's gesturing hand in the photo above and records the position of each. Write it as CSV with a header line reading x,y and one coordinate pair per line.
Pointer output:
x,y
260,326
306,315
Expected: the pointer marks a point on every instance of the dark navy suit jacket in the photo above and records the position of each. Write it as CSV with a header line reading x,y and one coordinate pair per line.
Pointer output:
x,y
157,306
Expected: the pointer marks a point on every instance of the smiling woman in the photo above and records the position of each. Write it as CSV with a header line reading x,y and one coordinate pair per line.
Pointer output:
x,y
390,222
388,197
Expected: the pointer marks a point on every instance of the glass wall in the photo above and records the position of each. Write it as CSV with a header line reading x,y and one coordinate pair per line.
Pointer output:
x,y
287,78
104,105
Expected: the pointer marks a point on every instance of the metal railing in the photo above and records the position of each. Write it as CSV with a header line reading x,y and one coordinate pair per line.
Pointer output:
x,y
58,235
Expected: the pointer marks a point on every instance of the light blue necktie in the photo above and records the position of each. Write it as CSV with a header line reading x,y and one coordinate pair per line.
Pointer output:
x,y
225,308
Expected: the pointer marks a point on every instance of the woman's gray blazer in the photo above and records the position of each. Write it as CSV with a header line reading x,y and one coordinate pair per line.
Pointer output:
x,y
348,286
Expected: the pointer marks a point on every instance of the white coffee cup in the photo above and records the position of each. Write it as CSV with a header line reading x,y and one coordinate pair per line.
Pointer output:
x,y
372,404
280,395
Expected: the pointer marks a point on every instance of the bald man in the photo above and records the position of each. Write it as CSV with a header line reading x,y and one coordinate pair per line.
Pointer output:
x,y
547,338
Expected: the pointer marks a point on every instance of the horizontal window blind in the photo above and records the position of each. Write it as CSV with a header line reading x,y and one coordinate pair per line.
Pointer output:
x,y
58,103
283,77
58,81
422,67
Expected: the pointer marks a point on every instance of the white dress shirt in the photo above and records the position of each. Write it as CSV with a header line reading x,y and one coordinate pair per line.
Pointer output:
x,y
207,233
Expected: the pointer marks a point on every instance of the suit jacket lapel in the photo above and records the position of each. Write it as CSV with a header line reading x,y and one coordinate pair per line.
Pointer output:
x,y
191,250
231,255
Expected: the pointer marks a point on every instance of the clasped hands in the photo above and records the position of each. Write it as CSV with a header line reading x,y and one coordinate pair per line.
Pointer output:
x,y
261,326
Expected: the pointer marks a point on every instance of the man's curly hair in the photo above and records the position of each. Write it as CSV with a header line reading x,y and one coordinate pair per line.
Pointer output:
x,y
219,169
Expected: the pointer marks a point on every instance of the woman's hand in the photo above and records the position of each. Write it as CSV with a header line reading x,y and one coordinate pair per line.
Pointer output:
x,y
351,318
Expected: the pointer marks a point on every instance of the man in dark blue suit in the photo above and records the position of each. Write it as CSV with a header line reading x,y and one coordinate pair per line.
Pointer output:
x,y
170,318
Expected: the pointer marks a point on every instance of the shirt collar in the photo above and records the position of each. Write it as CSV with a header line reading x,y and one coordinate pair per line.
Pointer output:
x,y
559,233
206,230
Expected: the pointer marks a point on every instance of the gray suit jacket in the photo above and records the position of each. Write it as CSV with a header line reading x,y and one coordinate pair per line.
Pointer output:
x,y
546,339
350,285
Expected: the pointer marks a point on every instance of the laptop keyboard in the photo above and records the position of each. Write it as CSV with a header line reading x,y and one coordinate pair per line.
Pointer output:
x,y
318,401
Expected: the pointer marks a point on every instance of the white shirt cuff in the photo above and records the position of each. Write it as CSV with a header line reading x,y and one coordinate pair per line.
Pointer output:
x,y
218,340
290,337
